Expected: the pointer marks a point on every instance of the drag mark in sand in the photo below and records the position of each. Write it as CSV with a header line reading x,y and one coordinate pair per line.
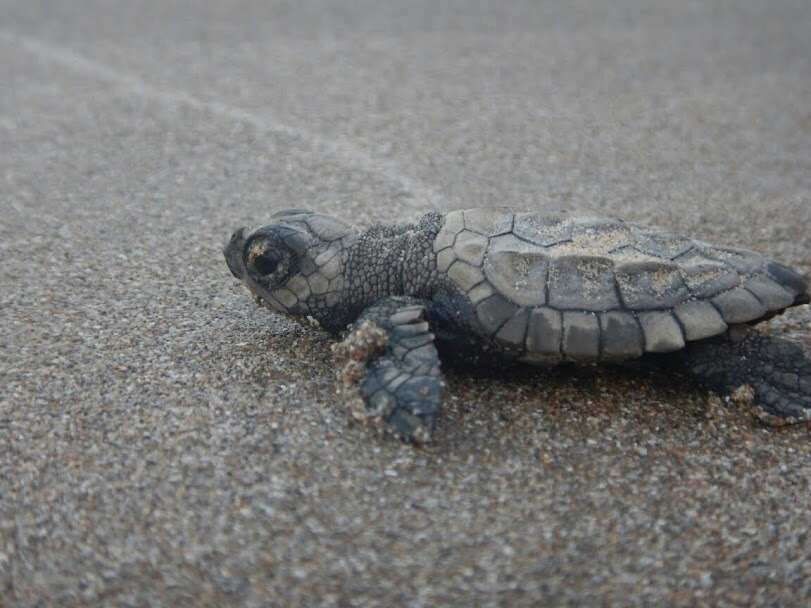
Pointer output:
x,y
423,196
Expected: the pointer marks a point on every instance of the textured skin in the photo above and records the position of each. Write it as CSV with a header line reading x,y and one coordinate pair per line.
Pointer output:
x,y
775,371
500,285
334,272
400,380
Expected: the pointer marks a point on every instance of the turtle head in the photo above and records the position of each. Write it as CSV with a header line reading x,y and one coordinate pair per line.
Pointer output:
x,y
286,262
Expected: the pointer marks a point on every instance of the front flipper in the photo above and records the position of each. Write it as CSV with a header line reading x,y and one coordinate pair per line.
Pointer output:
x,y
391,369
771,374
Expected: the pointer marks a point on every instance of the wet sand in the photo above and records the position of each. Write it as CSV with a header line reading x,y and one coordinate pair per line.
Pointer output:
x,y
165,442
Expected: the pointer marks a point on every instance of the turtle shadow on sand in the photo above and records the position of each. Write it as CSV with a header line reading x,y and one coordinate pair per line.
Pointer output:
x,y
568,394
652,392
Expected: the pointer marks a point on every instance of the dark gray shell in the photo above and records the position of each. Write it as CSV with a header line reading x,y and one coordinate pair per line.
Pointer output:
x,y
588,288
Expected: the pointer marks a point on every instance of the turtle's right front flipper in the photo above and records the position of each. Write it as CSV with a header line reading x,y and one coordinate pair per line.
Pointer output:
x,y
391,368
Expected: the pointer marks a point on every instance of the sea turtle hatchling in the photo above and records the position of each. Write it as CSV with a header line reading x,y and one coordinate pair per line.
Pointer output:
x,y
480,285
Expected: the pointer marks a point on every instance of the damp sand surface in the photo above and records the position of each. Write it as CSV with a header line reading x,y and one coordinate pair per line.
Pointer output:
x,y
165,442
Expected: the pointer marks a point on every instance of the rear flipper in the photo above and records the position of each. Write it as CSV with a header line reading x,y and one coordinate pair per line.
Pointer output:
x,y
771,374
391,370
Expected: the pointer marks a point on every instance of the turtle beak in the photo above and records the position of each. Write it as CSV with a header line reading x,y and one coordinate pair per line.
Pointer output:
x,y
233,253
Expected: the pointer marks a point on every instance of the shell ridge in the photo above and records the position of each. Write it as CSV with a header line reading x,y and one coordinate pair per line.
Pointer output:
x,y
754,295
600,336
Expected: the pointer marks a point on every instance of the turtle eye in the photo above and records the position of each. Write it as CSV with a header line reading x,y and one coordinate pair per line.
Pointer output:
x,y
266,263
